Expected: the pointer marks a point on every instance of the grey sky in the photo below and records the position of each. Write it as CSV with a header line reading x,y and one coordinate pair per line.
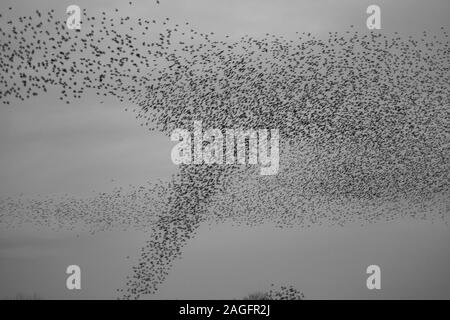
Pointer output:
x,y
102,142
48,148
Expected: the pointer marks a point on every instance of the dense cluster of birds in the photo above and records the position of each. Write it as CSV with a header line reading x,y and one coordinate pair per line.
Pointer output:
x,y
277,293
121,208
285,293
364,123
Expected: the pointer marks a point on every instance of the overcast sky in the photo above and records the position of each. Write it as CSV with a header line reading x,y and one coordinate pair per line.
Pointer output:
x,y
49,148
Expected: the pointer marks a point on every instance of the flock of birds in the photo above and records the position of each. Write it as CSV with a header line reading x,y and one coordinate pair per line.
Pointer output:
x,y
278,293
364,124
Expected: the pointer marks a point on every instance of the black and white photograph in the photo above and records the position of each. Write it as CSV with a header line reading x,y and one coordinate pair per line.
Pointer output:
x,y
226,150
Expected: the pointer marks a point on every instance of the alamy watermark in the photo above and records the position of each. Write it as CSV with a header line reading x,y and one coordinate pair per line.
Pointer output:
x,y
227,146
